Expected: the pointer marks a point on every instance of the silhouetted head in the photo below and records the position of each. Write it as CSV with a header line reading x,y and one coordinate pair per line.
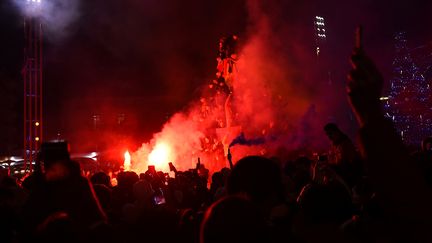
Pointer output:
x,y
143,191
427,144
53,152
329,203
126,179
56,161
101,178
217,179
258,177
232,219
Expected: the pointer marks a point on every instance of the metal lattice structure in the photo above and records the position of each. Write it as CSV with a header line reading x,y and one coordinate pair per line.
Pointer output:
x,y
32,77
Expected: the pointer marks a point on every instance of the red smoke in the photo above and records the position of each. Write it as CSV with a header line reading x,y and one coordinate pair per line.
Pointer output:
x,y
270,98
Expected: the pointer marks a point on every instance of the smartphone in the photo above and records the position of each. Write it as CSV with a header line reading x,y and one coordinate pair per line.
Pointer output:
x,y
159,199
172,167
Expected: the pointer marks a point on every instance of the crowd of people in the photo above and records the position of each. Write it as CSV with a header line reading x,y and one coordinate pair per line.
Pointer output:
x,y
379,193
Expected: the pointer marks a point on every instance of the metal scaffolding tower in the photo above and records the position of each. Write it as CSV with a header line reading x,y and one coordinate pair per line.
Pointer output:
x,y
32,77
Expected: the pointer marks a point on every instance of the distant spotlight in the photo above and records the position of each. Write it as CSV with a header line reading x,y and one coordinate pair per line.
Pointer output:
x,y
384,98
37,124
34,1
37,138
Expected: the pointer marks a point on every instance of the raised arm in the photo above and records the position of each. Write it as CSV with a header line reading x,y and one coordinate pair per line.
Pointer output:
x,y
400,186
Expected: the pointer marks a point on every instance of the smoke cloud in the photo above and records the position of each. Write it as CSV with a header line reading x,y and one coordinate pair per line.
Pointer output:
x,y
145,60
274,100
57,16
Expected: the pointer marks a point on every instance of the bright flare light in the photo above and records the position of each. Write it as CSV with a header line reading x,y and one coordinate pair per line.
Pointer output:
x,y
33,1
159,157
127,161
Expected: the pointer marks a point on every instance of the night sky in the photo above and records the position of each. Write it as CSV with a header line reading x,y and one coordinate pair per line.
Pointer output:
x,y
147,59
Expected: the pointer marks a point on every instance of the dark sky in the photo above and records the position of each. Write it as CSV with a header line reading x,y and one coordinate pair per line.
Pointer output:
x,y
147,58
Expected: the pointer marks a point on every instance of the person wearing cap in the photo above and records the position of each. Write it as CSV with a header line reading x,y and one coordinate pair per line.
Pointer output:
x,y
61,189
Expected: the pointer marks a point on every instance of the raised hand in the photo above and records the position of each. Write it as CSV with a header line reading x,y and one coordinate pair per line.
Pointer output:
x,y
364,86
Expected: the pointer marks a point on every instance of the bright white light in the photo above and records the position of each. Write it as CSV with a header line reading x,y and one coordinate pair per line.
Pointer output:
x,y
91,155
32,8
160,156
15,159
127,161
55,15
